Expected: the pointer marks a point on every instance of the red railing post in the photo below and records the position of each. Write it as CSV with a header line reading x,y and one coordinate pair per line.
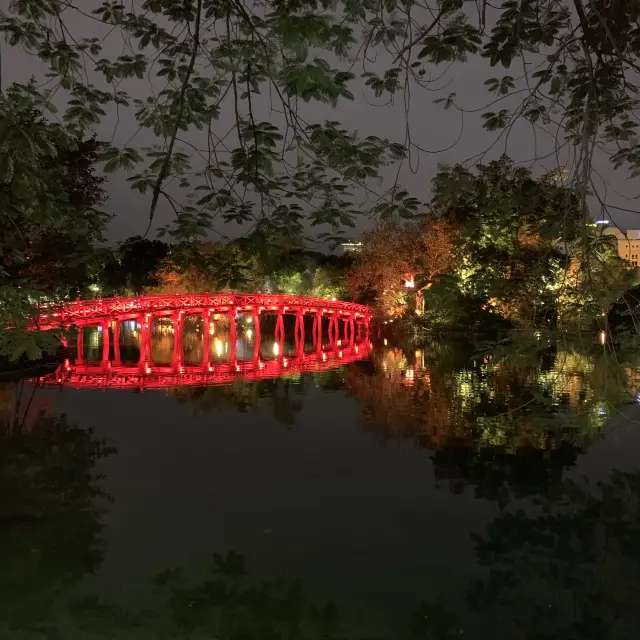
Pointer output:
x,y
206,338
116,342
105,340
232,335
80,345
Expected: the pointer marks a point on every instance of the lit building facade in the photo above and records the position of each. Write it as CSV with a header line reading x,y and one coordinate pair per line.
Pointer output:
x,y
628,243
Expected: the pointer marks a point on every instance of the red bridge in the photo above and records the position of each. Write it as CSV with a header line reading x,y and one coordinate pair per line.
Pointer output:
x,y
347,327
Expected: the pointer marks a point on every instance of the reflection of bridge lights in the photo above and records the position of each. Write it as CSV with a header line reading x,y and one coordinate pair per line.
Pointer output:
x,y
218,347
249,334
324,357
340,354
385,342
339,343
237,367
356,349
603,337
284,362
276,348
148,370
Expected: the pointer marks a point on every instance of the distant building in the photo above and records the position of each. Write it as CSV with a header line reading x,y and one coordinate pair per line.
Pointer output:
x,y
628,243
352,247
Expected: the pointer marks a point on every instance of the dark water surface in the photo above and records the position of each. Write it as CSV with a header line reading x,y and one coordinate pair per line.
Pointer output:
x,y
430,493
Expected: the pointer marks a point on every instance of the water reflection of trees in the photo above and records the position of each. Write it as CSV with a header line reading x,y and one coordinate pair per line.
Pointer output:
x,y
51,503
230,603
569,570
283,397
507,421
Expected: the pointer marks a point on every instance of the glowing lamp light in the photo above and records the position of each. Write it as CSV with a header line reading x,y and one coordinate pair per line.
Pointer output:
x,y
276,348
385,342
218,347
284,362
602,338
249,334
148,370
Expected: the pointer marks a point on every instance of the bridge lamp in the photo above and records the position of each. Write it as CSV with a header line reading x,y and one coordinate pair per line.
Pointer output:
x,y
249,334
276,348
218,347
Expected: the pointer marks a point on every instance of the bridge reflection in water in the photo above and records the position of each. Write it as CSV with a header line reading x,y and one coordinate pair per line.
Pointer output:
x,y
235,338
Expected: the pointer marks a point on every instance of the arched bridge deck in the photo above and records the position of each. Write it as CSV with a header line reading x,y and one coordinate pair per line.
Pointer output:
x,y
348,323
92,311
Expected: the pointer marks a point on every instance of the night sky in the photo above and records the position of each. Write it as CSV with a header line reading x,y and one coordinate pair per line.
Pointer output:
x,y
444,136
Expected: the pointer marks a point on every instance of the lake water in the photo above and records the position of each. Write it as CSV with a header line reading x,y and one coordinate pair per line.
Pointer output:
x,y
446,490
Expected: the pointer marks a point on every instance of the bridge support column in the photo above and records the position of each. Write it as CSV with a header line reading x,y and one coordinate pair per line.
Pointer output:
x,y
334,330
352,330
80,345
299,333
206,339
256,328
145,342
279,335
178,322
105,341
317,331
233,335
116,343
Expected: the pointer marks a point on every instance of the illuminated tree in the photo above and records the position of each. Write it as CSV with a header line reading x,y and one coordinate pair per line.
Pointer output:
x,y
393,252
596,277
49,205
513,231
208,267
